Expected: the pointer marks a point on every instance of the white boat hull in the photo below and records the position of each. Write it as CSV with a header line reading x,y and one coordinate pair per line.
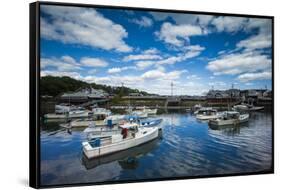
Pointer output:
x,y
206,117
66,116
220,122
140,138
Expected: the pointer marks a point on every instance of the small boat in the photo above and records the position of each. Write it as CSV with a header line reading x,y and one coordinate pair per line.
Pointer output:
x,y
100,113
230,118
114,119
68,115
121,156
148,110
206,113
240,107
93,127
196,107
64,108
140,114
131,136
247,107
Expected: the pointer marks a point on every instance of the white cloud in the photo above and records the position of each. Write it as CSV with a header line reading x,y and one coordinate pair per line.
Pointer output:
x,y
67,63
178,35
256,42
141,57
229,24
143,21
238,63
149,54
190,52
266,75
93,62
119,69
83,26
193,77
62,64
74,75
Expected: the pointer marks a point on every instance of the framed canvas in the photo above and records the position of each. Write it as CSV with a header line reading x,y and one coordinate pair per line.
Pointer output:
x,y
123,94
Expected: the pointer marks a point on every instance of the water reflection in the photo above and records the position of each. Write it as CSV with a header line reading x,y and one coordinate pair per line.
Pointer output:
x,y
188,148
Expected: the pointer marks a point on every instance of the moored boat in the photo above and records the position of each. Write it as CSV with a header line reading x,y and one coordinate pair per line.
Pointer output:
x,y
130,136
230,118
206,113
68,115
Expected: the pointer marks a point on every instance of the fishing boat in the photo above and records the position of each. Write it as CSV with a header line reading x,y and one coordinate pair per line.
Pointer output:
x,y
148,110
140,114
68,115
230,118
196,107
206,113
114,119
247,107
122,156
100,113
84,122
130,136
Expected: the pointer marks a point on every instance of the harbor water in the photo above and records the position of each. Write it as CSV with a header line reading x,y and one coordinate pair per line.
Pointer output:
x,y
187,147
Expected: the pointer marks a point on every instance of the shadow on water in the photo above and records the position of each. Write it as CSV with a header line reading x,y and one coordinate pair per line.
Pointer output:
x,y
127,159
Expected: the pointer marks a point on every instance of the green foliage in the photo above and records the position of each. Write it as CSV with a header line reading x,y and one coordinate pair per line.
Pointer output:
x,y
54,86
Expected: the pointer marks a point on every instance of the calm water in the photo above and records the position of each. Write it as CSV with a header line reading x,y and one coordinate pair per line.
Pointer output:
x,y
187,148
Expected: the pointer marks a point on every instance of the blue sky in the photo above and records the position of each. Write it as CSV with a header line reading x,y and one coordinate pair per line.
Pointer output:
x,y
149,50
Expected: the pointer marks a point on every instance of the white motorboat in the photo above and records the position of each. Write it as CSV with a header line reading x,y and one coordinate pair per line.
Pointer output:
x,y
100,113
148,110
206,114
140,114
230,118
247,107
114,119
68,115
64,108
130,136
240,107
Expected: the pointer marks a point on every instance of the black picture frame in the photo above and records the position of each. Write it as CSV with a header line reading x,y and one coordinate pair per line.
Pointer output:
x,y
34,98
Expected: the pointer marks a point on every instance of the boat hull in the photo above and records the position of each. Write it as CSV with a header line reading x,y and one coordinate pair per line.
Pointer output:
x,y
91,152
206,117
220,122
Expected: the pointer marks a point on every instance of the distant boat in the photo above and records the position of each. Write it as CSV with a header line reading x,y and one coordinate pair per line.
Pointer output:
x,y
230,118
68,115
64,108
206,113
140,114
247,107
130,136
148,110
196,107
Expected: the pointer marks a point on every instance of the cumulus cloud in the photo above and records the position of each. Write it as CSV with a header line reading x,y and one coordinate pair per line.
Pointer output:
x,y
189,52
266,75
149,54
238,63
229,24
82,26
93,62
67,63
178,35
143,21
74,75
119,69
